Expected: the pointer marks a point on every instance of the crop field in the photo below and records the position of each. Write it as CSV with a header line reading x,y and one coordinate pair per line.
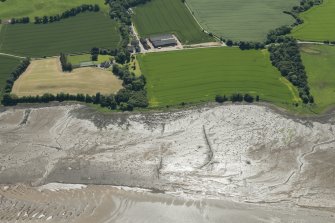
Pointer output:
x,y
242,19
74,35
320,66
319,23
46,76
200,74
32,8
7,65
161,16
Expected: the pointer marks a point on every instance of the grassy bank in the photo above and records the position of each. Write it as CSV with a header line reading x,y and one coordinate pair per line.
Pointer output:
x,y
319,62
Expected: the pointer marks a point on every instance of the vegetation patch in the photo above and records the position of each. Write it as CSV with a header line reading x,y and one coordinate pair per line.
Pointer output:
x,y
320,66
76,34
200,74
7,66
46,76
32,8
161,16
242,19
319,23
76,60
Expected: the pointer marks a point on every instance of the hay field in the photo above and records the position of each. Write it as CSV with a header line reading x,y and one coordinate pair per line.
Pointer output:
x,y
248,20
74,35
319,23
7,65
172,16
200,74
45,76
32,8
320,66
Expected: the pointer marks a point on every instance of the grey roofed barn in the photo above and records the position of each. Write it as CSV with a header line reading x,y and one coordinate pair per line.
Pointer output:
x,y
163,40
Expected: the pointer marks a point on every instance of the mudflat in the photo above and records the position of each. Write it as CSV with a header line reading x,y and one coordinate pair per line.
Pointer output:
x,y
228,162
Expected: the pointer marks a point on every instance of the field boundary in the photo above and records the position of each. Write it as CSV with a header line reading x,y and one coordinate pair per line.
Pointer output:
x,y
11,55
197,21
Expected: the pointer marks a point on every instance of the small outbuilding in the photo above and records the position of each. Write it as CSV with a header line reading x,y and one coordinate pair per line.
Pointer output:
x,y
164,40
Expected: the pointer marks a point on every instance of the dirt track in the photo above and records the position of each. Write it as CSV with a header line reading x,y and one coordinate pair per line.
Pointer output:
x,y
245,154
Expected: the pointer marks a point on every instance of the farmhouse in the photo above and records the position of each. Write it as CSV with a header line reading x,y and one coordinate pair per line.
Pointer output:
x,y
163,40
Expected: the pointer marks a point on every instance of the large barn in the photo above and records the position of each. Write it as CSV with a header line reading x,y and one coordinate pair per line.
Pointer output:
x,y
163,40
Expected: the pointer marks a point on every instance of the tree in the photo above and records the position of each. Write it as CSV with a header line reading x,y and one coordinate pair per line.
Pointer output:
x,y
9,100
126,107
248,98
94,57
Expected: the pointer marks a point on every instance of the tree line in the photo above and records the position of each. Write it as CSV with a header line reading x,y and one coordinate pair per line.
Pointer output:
x,y
124,100
66,66
67,14
237,97
304,6
21,68
244,45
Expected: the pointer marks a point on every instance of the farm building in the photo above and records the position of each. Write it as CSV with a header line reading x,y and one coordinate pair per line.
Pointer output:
x,y
163,40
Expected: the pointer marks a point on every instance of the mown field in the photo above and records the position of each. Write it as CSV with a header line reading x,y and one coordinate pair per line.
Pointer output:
x,y
200,74
242,19
32,8
161,16
320,66
319,23
45,76
7,65
73,35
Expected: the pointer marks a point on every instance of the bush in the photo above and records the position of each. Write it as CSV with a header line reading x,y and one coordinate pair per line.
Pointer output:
x,y
221,99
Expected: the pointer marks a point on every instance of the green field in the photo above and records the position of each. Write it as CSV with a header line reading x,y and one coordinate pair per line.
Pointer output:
x,y
319,23
7,65
32,8
73,35
320,66
200,74
172,16
77,59
242,19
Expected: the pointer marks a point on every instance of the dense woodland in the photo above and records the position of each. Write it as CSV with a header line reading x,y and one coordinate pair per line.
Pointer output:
x,y
286,57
